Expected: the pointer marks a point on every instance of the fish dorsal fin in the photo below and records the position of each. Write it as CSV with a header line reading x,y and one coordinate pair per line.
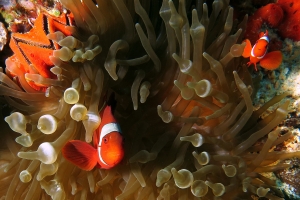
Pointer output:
x,y
271,60
81,154
247,49
107,116
261,34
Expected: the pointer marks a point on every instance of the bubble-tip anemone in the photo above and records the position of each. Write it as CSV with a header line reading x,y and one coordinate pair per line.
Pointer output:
x,y
183,103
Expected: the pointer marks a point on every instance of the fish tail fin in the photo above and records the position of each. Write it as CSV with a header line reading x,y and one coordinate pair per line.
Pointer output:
x,y
80,154
247,49
271,60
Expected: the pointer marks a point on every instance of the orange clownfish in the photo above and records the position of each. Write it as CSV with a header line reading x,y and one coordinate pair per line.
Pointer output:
x,y
107,150
258,53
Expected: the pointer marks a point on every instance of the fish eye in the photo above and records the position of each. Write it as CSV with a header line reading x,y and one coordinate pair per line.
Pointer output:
x,y
105,140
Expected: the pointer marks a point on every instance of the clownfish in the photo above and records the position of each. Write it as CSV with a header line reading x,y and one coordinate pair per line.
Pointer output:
x,y
258,53
107,150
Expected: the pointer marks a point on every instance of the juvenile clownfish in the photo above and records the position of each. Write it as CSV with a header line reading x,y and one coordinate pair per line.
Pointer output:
x,y
258,53
107,150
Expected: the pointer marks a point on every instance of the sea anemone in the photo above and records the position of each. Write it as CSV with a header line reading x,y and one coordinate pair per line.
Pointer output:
x,y
192,134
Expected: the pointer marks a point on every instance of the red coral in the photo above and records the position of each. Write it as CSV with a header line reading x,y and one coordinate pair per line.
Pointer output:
x,y
283,15
290,7
290,27
253,27
272,14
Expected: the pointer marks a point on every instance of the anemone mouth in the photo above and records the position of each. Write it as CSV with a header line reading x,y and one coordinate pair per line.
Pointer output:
x,y
178,80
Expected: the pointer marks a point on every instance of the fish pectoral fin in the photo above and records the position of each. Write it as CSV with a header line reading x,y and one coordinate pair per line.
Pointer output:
x,y
81,154
247,49
271,60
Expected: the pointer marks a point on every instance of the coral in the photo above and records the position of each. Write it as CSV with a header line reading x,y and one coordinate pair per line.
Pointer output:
x,y
272,14
3,36
184,104
28,5
289,28
7,4
281,15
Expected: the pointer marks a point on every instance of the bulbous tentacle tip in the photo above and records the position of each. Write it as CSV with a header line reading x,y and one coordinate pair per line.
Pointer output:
x,y
17,122
65,54
25,176
183,178
54,189
262,192
199,188
47,170
197,139
46,153
56,36
229,170
78,112
47,124
24,140
71,96
163,176
217,188
91,124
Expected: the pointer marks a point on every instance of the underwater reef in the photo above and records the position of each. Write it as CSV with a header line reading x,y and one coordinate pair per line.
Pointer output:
x,y
185,104
282,16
